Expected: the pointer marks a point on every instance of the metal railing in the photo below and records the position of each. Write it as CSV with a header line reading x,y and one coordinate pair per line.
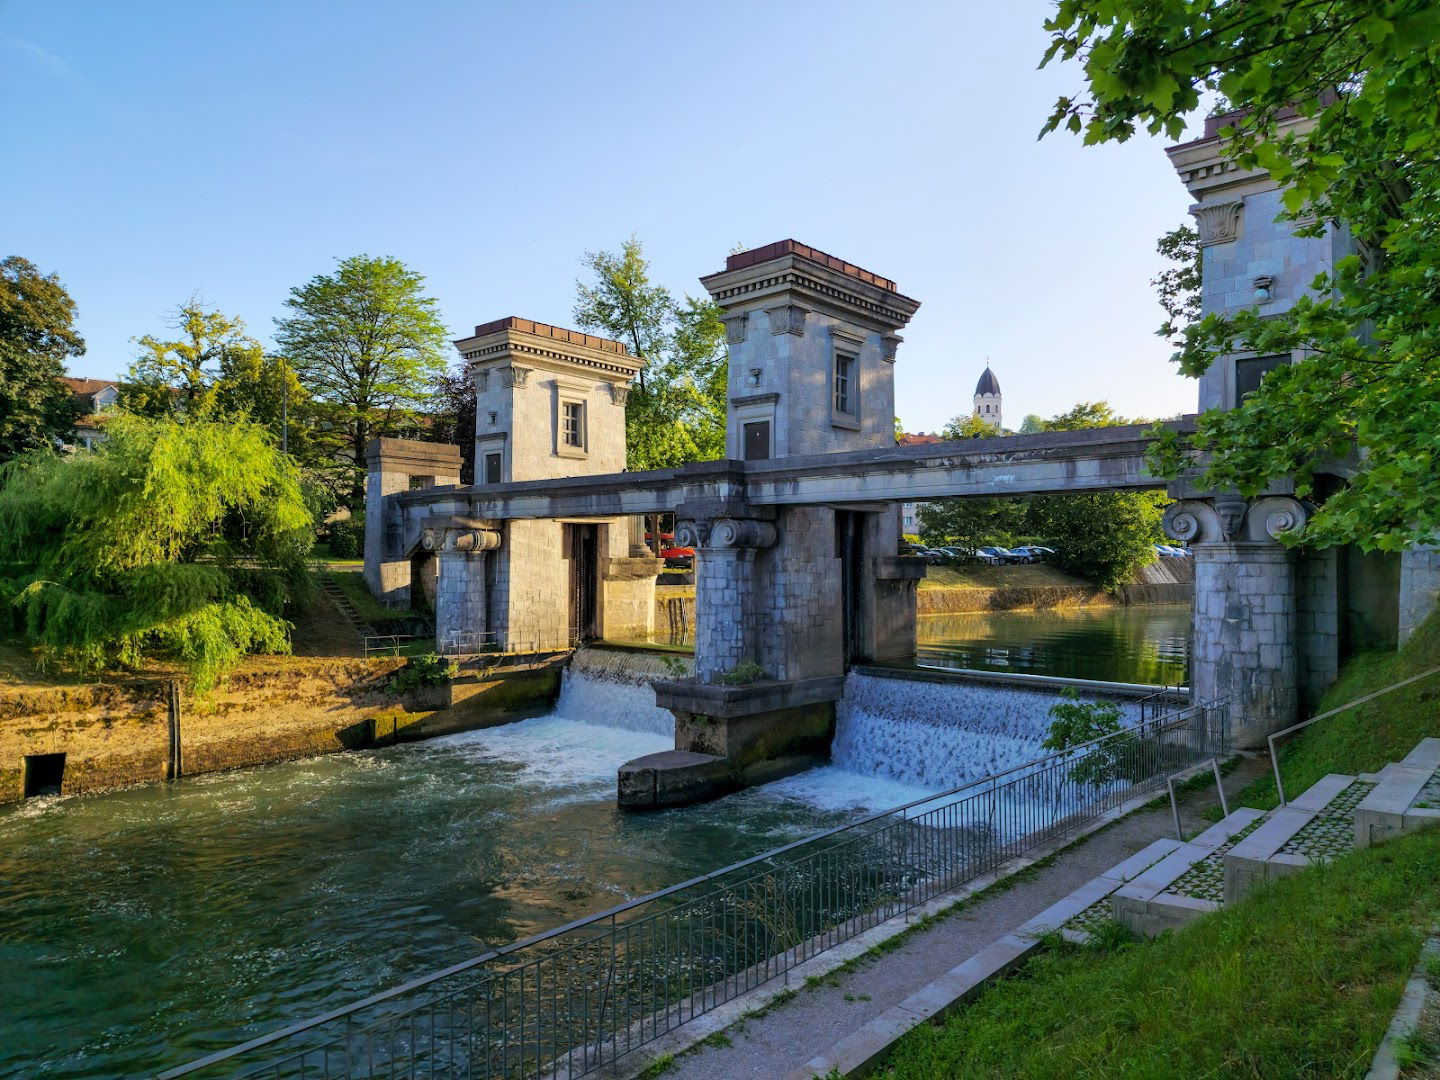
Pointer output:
x,y
1286,732
387,644
478,642
1162,703
573,999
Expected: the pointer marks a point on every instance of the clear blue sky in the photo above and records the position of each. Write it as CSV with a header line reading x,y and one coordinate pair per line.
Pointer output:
x,y
154,150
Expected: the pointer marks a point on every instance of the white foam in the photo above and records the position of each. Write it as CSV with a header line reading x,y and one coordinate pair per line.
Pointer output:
x,y
613,704
598,725
929,736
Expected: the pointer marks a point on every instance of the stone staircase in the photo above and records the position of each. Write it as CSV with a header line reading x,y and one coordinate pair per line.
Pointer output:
x,y
336,595
1170,883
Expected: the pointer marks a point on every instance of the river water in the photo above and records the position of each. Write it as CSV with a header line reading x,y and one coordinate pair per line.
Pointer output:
x,y
1138,644
141,928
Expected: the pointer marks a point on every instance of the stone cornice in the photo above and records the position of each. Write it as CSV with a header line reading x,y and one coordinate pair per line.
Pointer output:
x,y
797,279
496,348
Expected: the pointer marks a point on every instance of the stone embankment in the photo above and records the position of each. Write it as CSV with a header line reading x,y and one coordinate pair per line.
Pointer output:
x,y
111,734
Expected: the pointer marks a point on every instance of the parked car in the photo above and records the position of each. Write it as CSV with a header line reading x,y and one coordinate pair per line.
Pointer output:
x,y
678,558
995,555
1170,551
1031,553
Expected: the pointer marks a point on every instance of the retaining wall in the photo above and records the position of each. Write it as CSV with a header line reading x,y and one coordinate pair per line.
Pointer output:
x,y
118,733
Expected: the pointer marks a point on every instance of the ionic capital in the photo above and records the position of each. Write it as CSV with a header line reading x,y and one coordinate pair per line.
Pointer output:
x,y
742,533
1232,519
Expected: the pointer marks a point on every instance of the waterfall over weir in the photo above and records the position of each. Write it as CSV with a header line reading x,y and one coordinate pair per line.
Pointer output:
x,y
934,736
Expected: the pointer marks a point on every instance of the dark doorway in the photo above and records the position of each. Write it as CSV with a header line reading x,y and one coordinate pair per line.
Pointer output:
x,y
850,549
583,545
43,773
757,441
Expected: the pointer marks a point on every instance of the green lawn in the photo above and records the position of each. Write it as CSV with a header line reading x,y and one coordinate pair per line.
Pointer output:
x,y
1299,980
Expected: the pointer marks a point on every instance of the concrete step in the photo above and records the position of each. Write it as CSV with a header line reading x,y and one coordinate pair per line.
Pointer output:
x,y
1314,828
1185,884
1406,798
1088,906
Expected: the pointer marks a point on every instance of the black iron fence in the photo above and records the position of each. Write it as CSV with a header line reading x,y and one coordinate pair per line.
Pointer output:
x,y
575,998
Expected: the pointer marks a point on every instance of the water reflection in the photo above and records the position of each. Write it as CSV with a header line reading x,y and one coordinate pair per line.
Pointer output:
x,y
1141,644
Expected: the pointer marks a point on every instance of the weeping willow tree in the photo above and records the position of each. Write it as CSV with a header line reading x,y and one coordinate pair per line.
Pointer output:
x,y
181,540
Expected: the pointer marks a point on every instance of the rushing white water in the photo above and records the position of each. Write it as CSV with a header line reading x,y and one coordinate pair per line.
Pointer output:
x,y
896,740
598,724
932,736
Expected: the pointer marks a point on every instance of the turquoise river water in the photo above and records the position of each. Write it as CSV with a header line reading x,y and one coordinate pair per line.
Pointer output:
x,y
142,928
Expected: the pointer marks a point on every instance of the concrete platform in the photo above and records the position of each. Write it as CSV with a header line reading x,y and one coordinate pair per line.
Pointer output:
x,y
673,778
1282,844
1088,905
1406,798
1164,898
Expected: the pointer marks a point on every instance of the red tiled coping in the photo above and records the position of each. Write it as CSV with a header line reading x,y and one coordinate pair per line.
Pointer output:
x,y
558,333
741,260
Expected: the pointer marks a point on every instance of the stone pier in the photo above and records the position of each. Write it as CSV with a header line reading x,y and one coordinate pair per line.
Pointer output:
x,y
1245,645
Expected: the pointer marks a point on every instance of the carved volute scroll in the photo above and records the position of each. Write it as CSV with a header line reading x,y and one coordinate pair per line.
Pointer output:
x,y
742,533
1230,518
1275,515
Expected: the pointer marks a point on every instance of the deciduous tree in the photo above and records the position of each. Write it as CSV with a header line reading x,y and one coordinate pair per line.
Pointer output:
x,y
1108,535
179,376
968,426
676,410
1364,73
37,334
368,343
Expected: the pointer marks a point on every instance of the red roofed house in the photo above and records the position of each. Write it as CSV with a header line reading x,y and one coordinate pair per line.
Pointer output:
x,y
95,397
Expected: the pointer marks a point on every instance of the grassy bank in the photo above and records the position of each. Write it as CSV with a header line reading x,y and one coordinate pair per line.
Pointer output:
x,y
1368,736
1299,980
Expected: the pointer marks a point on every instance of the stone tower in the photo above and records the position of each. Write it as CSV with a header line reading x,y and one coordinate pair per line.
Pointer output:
x,y
988,400
812,352
550,405
549,402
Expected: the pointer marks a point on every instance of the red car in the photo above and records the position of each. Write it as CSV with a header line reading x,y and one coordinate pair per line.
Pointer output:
x,y
679,557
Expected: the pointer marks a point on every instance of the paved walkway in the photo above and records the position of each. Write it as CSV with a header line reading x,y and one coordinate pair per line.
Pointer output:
x,y
783,1040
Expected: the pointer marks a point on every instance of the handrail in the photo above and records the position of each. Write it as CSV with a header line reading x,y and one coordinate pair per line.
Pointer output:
x,y
1036,766
1270,742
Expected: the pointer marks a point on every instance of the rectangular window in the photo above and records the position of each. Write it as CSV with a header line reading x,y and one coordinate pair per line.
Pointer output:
x,y
572,424
492,468
844,384
757,441
420,483
1250,371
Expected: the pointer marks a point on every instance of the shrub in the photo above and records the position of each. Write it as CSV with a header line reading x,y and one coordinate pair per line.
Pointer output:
x,y
347,538
420,672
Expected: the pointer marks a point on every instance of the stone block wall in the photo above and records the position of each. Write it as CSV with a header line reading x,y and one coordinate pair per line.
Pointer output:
x,y
1419,587
460,594
1317,622
532,602
1245,645
801,630
393,465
